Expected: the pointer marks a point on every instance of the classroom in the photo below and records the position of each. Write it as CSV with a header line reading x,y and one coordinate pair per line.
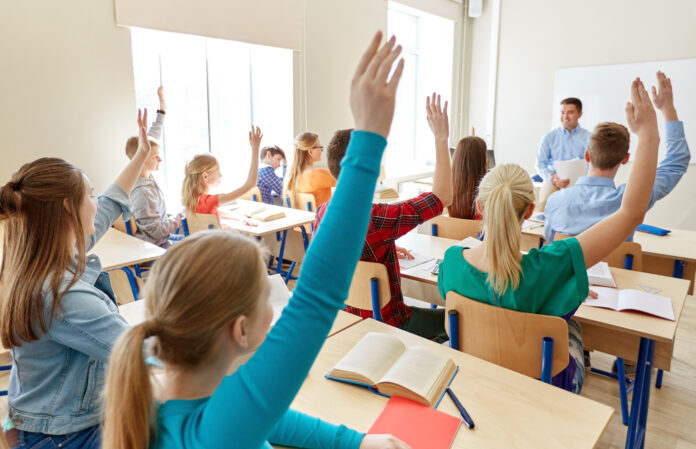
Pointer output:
x,y
236,119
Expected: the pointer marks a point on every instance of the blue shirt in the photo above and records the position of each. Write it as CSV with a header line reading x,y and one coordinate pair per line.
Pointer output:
x,y
573,210
560,145
250,407
268,183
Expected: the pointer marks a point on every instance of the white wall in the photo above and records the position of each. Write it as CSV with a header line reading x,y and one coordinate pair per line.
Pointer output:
x,y
539,36
66,86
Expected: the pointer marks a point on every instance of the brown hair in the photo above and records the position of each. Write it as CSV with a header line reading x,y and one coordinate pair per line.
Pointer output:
x,y
37,249
303,143
131,147
194,185
189,302
336,150
505,193
469,166
608,145
275,149
573,101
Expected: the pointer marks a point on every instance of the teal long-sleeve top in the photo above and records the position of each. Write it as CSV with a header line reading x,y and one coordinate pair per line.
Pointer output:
x,y
251,406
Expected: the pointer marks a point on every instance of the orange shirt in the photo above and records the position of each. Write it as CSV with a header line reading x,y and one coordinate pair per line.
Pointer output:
x,y
318,182
208,204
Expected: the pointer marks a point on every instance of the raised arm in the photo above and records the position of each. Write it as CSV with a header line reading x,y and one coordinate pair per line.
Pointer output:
x,y
439,125
157,126
602,238
126,180
255,136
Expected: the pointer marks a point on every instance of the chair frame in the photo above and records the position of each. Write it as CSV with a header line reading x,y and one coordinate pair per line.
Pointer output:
x,y
374,294
455,228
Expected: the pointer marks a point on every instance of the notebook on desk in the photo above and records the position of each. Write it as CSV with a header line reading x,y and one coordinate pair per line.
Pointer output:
x,y
629,299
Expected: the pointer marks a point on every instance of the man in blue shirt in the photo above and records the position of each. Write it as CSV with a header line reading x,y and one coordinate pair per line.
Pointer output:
x,y
268,182
568,141
593,197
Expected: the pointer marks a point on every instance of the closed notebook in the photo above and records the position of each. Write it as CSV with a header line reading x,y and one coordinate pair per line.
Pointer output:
x,y
387,366
417,425
629,299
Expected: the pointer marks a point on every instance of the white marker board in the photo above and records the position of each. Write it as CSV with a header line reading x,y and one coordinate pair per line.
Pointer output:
x,y
605,90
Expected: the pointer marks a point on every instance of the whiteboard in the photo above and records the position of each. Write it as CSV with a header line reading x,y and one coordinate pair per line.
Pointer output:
x,y
605,90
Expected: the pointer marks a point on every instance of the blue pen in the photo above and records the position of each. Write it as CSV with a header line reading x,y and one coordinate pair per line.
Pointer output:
x,y
462,411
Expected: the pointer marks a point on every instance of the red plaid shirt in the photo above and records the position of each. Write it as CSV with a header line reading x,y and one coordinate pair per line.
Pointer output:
x,y
388,223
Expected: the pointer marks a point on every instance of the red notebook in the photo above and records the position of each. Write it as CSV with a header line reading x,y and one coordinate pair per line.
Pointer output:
x,y
417,425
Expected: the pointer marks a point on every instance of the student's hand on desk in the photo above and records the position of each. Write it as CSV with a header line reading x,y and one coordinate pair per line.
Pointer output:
x,y
663,98
403,253
437,117
160,94
143,141
382,442
593,294
640,113
372,95
255,136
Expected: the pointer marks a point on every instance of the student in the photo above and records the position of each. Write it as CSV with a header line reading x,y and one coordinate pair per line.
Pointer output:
x,y
389,222
205,317
147,200
303,178
568,141
269,183
60,329
203,172
595,196
551,280
469,166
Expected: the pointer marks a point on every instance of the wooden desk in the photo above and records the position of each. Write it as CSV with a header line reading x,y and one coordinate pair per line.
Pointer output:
x,y
117,249
293,218
509,409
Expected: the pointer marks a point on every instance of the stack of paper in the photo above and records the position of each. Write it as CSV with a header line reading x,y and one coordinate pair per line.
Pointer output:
x,y
571,169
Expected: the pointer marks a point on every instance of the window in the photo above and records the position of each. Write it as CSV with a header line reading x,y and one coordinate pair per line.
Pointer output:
x,y
427,42
215,90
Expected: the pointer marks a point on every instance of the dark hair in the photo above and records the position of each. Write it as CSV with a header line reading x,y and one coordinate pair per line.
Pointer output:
x,y
131,147
336,150
608,145
469,166
573,100
275,149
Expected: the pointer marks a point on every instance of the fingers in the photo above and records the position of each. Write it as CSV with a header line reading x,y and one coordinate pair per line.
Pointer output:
x,y
630,113
593,294
635,95
368,55
654,94
386,65
394,81
379,57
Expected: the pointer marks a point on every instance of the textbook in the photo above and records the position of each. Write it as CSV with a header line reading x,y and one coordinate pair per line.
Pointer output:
x,y
600,274
415,424
383,193
385,365
265,214
628,299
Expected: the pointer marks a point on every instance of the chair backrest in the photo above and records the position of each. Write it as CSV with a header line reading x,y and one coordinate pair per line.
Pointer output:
x,y
306,201
253,195
364,293
200,222
129,227
454,228
506,337
628,255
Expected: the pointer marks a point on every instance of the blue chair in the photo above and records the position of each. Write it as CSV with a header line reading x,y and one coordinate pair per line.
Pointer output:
x,y
369,289
531,344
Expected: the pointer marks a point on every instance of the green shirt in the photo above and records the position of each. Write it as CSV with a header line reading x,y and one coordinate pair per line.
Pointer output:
x,y
553,280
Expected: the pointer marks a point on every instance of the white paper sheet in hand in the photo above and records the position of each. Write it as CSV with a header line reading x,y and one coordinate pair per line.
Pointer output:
x,y
571,169
279,295
417,260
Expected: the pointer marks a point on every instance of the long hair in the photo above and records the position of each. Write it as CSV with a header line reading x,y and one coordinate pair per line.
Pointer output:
x,y
303,143
40,211
505,193
189,302
469,166
194,185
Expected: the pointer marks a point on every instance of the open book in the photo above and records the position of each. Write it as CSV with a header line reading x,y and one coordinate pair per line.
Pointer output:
x,y
263,213
470,242
619,300
383,363
600,274
382,193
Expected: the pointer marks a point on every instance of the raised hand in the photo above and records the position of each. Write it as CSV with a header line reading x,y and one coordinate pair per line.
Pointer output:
x,y
382,442
255,136
160,94
662,97
437,117
640,113
372,95
143,141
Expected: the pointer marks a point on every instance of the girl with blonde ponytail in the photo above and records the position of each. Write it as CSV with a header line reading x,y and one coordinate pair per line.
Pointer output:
x,y
204,319
551,280
59,325
303,178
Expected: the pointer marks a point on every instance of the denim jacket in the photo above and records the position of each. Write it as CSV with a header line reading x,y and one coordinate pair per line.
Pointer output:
x,y
56,382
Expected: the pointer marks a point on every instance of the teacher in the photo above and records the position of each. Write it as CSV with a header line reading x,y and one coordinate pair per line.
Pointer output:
x,y
568,141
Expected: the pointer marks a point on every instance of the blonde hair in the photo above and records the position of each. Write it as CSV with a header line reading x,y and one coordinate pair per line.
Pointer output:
x,y
505,193
302,159
189,302
194,185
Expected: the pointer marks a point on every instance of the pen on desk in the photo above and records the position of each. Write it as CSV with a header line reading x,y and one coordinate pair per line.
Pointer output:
x,y
462,411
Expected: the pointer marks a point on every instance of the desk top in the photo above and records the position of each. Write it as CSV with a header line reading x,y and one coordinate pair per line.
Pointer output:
x,y
427,245
509,409
637,323
293,218
117,249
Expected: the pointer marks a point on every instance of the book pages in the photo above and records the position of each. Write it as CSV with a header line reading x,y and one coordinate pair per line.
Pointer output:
x,y
418,369
371,357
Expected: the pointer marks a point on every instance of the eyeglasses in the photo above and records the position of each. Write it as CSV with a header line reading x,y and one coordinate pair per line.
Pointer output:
x,y
319,148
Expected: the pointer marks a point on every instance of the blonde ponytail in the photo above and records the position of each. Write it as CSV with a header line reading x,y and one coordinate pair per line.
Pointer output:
x,y
194,185
301,160
505,193
128,392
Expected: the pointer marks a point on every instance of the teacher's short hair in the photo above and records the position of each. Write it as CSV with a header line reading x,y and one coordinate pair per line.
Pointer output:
x,y
573,100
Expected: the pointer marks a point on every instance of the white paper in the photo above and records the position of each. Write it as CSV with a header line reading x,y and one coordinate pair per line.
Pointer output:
x,y
600,274
571,169
531,224
607,298
418,259
646,302
470,242
279,295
